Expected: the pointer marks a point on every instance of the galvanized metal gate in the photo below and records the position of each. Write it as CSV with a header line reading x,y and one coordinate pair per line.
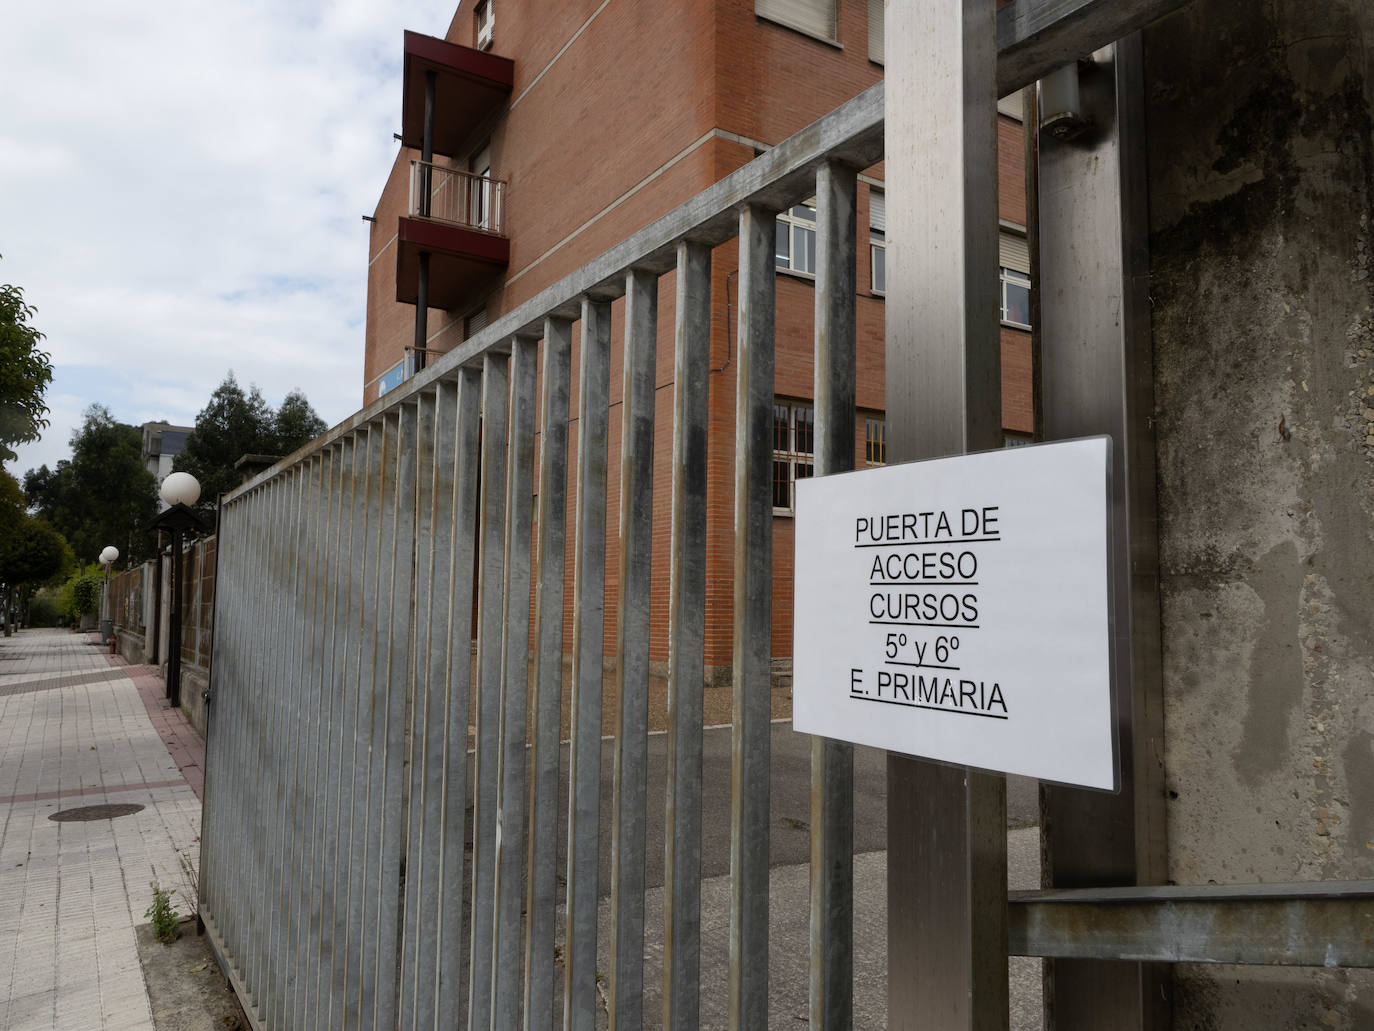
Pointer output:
x,y
334,865
334,875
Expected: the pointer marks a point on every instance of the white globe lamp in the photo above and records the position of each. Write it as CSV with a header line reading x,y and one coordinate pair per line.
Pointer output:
x,y
109,556
180,489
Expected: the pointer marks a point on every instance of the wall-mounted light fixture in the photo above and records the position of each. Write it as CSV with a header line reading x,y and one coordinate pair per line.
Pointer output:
x,y
1061,108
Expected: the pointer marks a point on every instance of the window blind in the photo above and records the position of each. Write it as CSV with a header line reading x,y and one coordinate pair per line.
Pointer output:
x,y
877,210
1015,254
814,16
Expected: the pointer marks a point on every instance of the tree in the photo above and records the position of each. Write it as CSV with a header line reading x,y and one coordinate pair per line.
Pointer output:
x,y
25,373
31,552
296,424
235,424
104,494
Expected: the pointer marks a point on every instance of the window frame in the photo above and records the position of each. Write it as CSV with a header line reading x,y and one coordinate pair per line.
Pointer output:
x,y
796,224
792,456
877,239
874,443
485,26
1012,277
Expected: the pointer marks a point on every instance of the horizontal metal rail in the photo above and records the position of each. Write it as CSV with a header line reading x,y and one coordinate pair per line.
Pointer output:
x,y
1322,924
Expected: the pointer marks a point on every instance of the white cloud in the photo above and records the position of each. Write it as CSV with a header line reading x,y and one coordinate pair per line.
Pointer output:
x,y
180,192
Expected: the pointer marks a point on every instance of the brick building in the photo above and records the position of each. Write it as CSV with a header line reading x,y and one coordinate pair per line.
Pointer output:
x,y
557,130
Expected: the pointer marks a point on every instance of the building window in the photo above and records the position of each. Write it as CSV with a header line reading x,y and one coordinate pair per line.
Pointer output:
x,y
394,376
1015,299
1015,286
877,27
877,239
814,17
486,19
794,448
796,238
875,441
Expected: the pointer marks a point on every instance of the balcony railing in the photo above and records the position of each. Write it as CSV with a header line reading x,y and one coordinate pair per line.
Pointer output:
x,y
457,197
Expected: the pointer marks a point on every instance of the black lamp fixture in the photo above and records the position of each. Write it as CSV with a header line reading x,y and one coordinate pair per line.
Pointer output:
x,y
180,491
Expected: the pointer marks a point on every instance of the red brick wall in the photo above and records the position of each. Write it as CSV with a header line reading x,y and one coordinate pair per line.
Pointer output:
x,y
625,107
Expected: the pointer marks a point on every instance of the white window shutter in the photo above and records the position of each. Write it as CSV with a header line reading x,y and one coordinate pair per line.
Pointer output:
x,y
877,210
1010,105
814,16
877,22
1015,254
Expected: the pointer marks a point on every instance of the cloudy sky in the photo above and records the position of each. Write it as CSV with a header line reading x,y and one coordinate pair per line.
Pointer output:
x,y
181,186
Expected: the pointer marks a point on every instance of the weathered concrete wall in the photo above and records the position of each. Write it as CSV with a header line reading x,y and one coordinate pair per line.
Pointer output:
x,y
1261,194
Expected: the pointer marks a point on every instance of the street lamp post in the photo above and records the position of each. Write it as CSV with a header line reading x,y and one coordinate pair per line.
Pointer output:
x,y
107,559
180,491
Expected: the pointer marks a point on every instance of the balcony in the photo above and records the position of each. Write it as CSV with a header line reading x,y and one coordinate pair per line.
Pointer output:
x,y
458,218
469,85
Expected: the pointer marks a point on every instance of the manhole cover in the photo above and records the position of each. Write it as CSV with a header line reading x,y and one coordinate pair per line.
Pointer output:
x,y
86,813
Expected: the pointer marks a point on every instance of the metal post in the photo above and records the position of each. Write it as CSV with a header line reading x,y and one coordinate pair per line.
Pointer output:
x,y
947,949
426,189
174,632
1098,378
832,762
753,618
589,602
632,649
686,641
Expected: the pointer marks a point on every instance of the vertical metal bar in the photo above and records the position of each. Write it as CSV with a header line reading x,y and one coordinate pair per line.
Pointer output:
x,y
632,649
686,640
276,732
298,731
254,861
335,940
383,601
326,574
832,762
422,833
491,527
946,826
251,851
589,617
541,895
464,406
515,660
395,687
364,619
313,516
1094,293
236,878
753,624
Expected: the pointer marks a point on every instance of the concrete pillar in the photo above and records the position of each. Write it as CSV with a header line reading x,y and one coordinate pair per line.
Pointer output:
x,y
1261,191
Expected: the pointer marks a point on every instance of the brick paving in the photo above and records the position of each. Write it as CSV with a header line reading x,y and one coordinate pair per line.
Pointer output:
x,y
79,727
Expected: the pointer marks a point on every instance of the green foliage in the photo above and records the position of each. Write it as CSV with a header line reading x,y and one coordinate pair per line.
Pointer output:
x,y
44,610
25,373
234,424
164,916
296,424
103,494
86,593
33,554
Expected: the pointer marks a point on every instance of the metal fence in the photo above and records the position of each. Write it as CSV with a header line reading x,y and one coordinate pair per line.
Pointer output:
x,y
334,869
456,196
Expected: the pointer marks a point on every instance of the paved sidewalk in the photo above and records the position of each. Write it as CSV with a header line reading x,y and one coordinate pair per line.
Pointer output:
x,y
81,728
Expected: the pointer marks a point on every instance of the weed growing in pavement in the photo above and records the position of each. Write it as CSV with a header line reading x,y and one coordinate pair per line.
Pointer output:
x,y
164,915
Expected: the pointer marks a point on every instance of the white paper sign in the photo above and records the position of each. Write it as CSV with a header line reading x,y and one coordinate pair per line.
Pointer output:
x,y
957,609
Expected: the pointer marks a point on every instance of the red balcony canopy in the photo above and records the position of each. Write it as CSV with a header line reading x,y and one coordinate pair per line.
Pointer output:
x,y
470,85
462,261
